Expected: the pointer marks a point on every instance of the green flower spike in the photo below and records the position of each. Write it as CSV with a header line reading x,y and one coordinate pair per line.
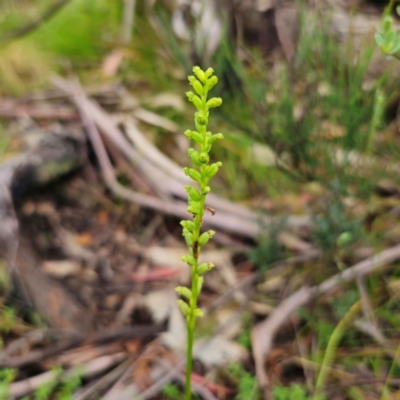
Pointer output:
x,y
201,82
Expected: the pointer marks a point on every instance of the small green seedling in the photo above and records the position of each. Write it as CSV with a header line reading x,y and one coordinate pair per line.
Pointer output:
x,y
387,37
202,83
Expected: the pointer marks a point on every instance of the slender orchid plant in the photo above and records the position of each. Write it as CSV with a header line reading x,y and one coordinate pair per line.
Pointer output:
x,y
202,83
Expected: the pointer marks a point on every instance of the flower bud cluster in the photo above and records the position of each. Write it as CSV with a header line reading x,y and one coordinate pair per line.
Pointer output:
x,y
202,82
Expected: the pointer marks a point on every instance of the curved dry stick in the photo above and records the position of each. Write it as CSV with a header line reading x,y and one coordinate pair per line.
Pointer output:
x,y
264,333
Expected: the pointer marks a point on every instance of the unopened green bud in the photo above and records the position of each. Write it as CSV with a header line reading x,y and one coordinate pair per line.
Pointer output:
x,y
200,281
213,169
195,136
203,158
198,87
188,225
200,119
197,102
213,138
188,238
200,74
214,102
193,209
194,155
209,72
184,308
205,267
184,291
190,95
205,237
191,79
211,82
188,259
206,189
344,239
195,175
193,193
198,313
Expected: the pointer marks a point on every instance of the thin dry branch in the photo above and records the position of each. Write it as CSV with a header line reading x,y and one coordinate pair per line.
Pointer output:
x,y
78,339
229,217
92,368
264,333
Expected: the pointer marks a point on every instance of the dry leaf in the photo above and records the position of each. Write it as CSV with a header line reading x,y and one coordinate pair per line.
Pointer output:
x,y
61,268
85,239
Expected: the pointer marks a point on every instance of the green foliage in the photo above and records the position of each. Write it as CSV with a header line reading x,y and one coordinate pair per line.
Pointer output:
x,y
268,250
334,228
62,386
7,319
245,336
387,37
341,304
246,383
172,392
6,377
292,392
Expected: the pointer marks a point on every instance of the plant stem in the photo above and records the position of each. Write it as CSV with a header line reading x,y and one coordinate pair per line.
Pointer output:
x,y
333,343
189,361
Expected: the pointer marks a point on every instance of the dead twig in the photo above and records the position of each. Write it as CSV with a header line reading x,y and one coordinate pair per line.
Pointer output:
x,y
128,21
60,113
264,333
79,339
230,217
103,382
92,368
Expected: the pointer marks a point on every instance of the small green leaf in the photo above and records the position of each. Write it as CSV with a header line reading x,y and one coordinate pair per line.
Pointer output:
x,y
379,39
396,45
387,24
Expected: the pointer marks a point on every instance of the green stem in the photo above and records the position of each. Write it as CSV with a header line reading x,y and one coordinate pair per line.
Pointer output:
x,y
189,362
333,343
